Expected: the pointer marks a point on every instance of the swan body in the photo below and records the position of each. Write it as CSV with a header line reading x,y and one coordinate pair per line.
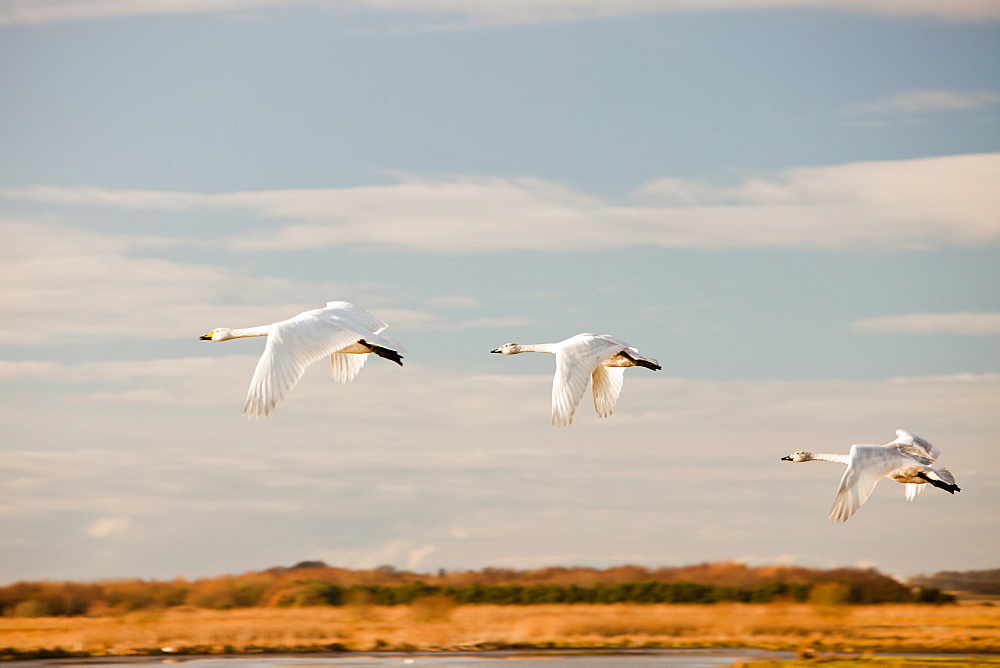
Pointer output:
x,y
340,330
906,460
598,359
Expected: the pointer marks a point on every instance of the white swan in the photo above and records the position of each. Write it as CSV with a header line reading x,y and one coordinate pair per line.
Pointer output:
x,y
341,330
582,358
907,460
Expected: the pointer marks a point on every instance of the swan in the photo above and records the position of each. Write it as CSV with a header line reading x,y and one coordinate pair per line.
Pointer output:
x,y
600,358
906,460
340,330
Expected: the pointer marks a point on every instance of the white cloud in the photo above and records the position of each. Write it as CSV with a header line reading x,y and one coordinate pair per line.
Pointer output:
x,y
963,323
926,101
454,301
430,398
921,203
60,284
460,13
452,481
107,526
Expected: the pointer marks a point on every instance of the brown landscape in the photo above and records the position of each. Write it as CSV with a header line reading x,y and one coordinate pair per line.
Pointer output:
x,y
206,620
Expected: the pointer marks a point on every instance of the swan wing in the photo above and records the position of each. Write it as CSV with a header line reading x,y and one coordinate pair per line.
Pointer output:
x,y
912,490
576,359
358,318
292,345
866,465
914,445
568,386
607,385
345,366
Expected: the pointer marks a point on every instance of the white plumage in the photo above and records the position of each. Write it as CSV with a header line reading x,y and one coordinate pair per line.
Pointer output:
x,y
341,331
906,460
599,359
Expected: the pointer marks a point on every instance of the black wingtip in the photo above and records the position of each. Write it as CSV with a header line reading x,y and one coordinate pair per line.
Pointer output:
x,y
385,353
940,484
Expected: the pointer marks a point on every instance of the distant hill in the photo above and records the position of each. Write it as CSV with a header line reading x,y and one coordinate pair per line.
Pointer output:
x,y
967,582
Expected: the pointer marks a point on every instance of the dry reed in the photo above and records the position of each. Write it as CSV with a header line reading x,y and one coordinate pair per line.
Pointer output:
x,y
439,624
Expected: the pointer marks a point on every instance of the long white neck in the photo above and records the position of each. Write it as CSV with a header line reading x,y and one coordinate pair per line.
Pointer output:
x,y
263,330
535,348
825,457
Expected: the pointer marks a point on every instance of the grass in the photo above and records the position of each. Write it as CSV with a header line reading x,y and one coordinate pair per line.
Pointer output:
x,y
441,625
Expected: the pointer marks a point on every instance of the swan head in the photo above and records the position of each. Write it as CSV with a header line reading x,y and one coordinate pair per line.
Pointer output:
x,y
798,457
220,334
508,349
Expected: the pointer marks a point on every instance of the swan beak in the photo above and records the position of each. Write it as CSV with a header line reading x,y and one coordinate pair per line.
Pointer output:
x,y
786,459
495,351
207,337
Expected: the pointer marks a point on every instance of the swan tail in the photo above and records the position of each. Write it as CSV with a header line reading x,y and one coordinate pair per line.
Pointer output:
x,y
641,361
649,364
932,478
387,353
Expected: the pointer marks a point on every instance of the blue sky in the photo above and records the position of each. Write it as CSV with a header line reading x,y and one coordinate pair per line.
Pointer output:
x,y
794,209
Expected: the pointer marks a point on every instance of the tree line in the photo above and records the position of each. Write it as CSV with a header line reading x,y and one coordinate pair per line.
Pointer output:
x,y
981,583
314,583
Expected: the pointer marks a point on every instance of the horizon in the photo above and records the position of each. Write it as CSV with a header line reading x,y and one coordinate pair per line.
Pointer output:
x,y
793,209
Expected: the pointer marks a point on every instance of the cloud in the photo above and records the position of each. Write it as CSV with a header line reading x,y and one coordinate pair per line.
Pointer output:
x,y
459,13
927,101
962,323
462,399
107,526
901,204
61,284
451,480
454,301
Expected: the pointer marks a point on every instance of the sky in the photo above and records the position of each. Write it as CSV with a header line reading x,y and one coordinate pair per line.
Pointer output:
x,y
791,204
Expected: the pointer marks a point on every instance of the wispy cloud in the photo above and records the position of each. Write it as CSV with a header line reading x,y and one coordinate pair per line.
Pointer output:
x,y
962,323
927,101
463,399
517,494
108,526
57,283
50,274
458,14
454,301
921,203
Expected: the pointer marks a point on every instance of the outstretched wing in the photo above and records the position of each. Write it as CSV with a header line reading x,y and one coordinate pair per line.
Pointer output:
x,y
576,360
568,385
866,465
345,366
914,445
353,316
607,385
293,345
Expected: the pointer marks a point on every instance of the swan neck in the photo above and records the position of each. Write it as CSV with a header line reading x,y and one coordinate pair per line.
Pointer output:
x,y
535,348
263,330
826,457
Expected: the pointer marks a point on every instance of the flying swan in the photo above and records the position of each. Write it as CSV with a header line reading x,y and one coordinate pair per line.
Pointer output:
x,y
907,460
341,330
585,357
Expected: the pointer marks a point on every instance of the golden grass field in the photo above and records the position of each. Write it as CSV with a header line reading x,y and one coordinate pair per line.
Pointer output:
x,y
436,624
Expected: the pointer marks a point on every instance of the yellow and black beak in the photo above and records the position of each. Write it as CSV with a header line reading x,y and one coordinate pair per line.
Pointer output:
x,y
207,337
